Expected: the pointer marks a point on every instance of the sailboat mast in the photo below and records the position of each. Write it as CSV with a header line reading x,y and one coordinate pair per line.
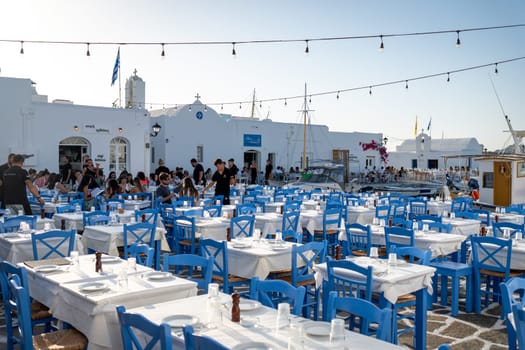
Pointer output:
x,y
253,104
305,114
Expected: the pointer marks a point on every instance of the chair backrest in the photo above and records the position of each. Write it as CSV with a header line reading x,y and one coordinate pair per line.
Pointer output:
x,y
219,252
457,205
260,205
200,342
483,216
417,207
90,214
216,198
245,209
304,257
356,282
143,253
491,253
52,243
512,293
383,212
242,226
98,220
20,301
12,224
399,236
147,215
429,218
115,203
158,335
439,226
292,206
466,215
413,255
500,229
367,312
192,261
248,198
184,230
272,292
144,196
358,237
331,218
290,221
188,199
141,232
519,321
398,210
214,211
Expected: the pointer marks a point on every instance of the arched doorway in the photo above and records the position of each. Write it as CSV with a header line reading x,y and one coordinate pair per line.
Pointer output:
x,y
250,155
118,154
74,148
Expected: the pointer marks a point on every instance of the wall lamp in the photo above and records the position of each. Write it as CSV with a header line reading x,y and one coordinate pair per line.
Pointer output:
x,y
75,128
155,129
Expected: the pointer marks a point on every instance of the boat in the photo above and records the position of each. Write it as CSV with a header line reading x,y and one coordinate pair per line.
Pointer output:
x,y
323,175
408,188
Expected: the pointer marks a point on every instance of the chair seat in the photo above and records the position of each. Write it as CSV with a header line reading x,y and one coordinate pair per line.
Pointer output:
x,y
188,242
405,298
357,252
39,311
513,273
66,339
299,284
452,268
231,279
328,232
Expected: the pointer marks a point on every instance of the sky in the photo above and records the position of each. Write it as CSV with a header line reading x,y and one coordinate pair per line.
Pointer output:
x,y
464,107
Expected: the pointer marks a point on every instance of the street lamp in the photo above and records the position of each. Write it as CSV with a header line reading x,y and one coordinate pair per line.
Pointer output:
x,y
156,129
385,140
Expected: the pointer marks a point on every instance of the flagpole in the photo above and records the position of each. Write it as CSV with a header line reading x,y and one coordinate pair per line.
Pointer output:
x,y
119,86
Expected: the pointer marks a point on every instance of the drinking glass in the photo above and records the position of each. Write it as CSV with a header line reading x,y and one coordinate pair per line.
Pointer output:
x,y
47,226
132,264
295,339
278,235
373,252
75,261
283,316
392,259
213,290
375,221
425,227
123,279
337,331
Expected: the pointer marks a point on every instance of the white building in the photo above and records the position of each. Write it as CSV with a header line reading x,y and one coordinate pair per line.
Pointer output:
x,y
198,131
116,138
423,152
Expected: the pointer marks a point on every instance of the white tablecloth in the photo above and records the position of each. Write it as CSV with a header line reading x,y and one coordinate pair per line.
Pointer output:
x,y
232,334
258,260
360,215
107,238
214,228
18,247
312,220
130,204
274,207
75,220
465,227
507,217
400,279
94,314
268,222
438,207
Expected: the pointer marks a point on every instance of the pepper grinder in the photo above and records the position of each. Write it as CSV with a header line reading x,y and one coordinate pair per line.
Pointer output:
x,y
236,310
338,252
98,262
228,235
63,224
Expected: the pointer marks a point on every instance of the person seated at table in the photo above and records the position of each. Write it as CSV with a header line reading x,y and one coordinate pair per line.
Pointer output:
x,y
111,176
163,190
142,177
84,187
123,184
112,189
41,179
137,186
189,190
55,183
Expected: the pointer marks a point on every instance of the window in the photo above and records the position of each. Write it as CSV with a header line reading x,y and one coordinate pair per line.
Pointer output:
x,y
370,162
118,154
432,163
200,153
488,180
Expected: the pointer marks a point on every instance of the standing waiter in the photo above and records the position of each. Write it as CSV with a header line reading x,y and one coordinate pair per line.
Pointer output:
x,y
16,179
221,180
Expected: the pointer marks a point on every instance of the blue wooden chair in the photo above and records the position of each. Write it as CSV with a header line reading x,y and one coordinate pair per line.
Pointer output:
x,y
290,224
330,230
304,257
90,214
500,228
483,216
512,293
219,252
192,262
98,220
39,313
272,292
466,215
398,210
219,198
158,335
245,209
184,236
62,339
12,224
147,215
291,206
383,212
444,347
248,198
52,244
491,259
242,226
199,342
260,206
439,227
68,208
143,253
358,240
114,203
398,236
519,320
366,311
139,233
417,207
145,196
214,211
190,200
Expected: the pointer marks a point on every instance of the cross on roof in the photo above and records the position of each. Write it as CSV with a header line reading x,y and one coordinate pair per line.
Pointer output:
x,y
197,96
135,71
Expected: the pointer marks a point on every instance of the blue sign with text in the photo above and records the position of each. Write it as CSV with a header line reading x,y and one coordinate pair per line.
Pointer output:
x,y
252,140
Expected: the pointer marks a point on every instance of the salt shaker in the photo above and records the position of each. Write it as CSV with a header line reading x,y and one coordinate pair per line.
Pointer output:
x,y
236,310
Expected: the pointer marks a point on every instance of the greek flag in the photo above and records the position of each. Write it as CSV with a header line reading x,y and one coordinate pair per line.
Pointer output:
x,y
116,68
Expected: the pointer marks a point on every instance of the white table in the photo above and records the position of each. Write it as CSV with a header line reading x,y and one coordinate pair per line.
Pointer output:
x,y
107,238
401,279
131,204
438,207
465,227
506,217
75,220
232,334
312,220
360,215
274,207
258,260
94,314
18,247
268,222
214,228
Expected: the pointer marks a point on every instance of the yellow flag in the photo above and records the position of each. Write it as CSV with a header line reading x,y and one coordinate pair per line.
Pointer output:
x,y
415,127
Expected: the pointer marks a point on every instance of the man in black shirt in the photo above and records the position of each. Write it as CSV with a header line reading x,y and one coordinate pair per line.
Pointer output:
x,y
198,173
233,171
3,168
221,180
268,171
67,171
16,179
161,169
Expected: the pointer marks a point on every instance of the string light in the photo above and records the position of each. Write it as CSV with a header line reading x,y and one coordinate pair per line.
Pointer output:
x,y
205,108
310,99
21,47
163,54
189,108
285,102
496,69
370,91
233,49
382,46
240,105
337,95
448,77
260,104
222,107
307,49
406,84
458,42
87,52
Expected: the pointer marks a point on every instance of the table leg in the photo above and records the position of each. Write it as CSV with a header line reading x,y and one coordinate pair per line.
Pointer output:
x,y
157,255
421,319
